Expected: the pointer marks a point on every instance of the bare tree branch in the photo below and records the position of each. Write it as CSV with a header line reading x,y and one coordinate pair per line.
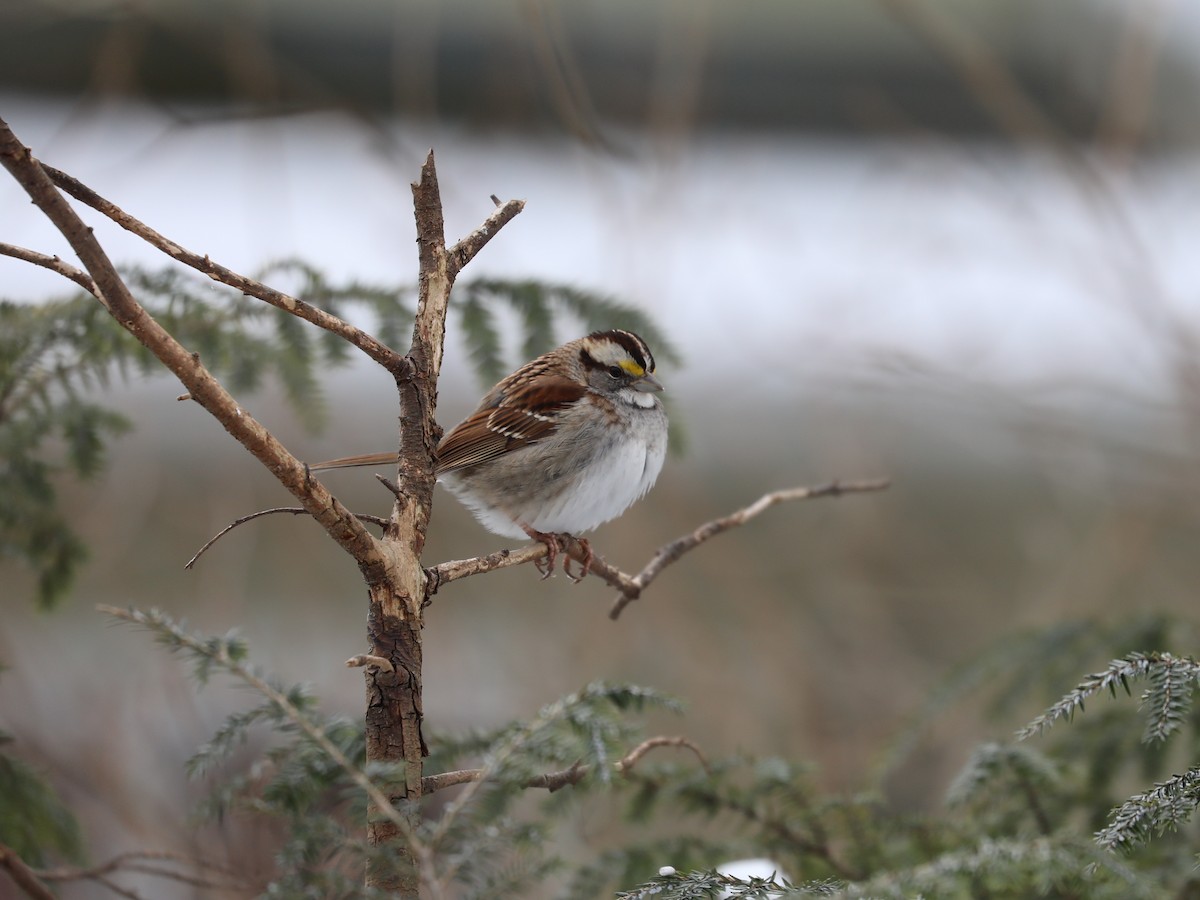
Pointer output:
x,y
145,863
293,510
394,620
568,777
671,552
54,264
464,251
551,781
631,759
381,353
631,586
206,390
23,876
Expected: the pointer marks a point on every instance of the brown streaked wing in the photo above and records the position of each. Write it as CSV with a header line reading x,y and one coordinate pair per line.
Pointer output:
x,y
523,416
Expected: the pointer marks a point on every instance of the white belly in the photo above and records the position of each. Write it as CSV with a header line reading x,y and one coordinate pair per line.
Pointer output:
x,y
606,487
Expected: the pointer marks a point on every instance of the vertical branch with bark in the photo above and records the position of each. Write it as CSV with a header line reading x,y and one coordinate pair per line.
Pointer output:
x,y
391,566
394,709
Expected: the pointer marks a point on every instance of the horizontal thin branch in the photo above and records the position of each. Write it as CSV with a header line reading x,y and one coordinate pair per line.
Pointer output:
x,y
570,776
671,552
631,586
551,781
54,264
446,572
146,862
376,350
293,510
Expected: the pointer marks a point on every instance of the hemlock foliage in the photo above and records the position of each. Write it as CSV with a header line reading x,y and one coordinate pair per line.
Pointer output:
x,y
1015,823
1051,817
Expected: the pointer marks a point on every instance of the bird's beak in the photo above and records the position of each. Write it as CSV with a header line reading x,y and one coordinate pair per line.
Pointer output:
x,y
647,383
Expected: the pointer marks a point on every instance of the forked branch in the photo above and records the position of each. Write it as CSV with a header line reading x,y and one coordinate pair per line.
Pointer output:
x,y
372,347
201,385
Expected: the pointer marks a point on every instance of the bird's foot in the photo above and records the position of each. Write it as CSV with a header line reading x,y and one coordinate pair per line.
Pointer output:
x,y
553,544
586,565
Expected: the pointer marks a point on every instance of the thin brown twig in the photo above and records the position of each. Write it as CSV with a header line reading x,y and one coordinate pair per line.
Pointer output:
x,y
143,863
568,777
671,552
113,887
338,522
23,876
375,349
134,860
54,264
631,759
293,510
631,586
550,781
466,249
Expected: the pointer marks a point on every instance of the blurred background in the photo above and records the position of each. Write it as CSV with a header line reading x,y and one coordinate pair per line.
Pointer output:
x,y
950,243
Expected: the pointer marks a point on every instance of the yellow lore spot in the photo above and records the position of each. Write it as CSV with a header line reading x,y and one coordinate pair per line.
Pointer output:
x,y
632,368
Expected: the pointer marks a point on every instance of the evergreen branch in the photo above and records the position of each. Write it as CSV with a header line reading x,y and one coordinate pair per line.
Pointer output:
x,y
996,768
534,301
54,264
385,356
1169,697
1042,866
699,885
1165,696
576,710
482,339
216,653
293,510
631,586
1144,816
816,846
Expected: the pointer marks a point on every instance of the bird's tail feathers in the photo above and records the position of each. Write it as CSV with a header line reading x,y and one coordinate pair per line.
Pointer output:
x,y
346,462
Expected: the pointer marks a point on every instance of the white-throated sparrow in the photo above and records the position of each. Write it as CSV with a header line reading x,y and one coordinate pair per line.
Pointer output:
x,y
562,445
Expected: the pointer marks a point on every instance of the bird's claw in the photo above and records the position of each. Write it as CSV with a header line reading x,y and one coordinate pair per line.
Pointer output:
x,y
558,543
585,566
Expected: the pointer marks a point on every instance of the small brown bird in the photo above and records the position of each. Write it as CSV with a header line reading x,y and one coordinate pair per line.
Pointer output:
x,y
564,444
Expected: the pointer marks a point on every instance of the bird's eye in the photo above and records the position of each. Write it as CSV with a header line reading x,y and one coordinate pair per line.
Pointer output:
x,y
615,371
